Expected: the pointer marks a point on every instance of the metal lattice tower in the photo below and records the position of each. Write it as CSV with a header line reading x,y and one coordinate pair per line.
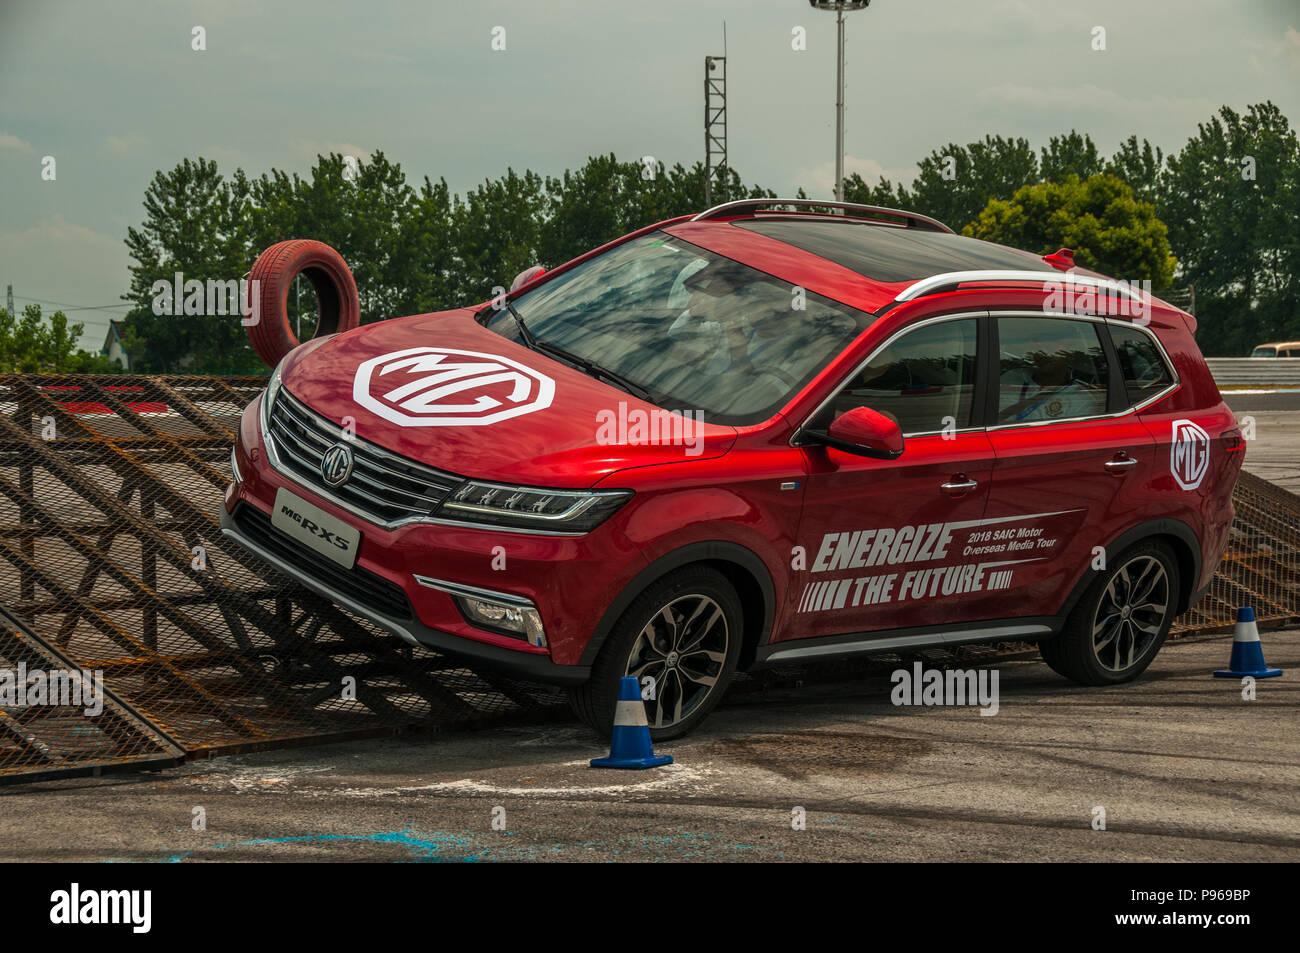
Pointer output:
x,y
715,127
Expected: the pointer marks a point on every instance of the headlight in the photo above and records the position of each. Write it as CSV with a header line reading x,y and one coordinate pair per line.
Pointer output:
x,y
273,387
562,511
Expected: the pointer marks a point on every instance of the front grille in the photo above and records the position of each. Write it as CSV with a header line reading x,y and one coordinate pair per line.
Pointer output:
x,y
364,588
383,487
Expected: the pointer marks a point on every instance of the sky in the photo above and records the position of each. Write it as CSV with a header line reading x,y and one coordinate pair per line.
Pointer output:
x,y
114,91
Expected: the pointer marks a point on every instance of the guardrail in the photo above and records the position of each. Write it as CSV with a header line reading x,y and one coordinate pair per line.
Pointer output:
x,y
1255,371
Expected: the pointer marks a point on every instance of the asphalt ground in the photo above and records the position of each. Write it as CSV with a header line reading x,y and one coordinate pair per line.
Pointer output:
x,y
1183,767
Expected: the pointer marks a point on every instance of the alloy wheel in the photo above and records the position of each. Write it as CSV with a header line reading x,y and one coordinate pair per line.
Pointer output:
x,y
684,649
1130,613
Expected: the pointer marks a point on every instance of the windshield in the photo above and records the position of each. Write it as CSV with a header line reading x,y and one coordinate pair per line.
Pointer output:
x,y
1263,351
696,330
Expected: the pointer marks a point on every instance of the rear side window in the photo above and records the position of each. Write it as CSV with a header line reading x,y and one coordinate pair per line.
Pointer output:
x,y
925,380
1050,369
1144,370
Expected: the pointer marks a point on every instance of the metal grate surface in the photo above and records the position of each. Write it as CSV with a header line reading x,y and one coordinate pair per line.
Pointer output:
x,y
1262,565
111,556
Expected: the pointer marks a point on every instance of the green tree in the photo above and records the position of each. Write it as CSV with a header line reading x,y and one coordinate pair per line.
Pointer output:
x,y
196,223
1071,154
956,182
29,345
1232,200
1100,219
1140,166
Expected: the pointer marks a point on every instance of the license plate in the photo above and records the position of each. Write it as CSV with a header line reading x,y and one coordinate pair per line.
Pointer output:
x,y
315,529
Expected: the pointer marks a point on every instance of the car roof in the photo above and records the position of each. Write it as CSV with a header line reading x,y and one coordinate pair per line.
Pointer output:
x,y
1278,344
890,253
845,258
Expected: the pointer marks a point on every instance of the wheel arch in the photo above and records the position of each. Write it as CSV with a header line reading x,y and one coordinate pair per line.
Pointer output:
x,y
743,568
1181,539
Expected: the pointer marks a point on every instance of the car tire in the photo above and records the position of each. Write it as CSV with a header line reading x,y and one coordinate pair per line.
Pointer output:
x,y
643,643
1101,643
338,306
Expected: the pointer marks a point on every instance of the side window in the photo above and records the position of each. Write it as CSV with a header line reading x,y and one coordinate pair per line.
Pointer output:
x,y
1050,369
1145,372
925,376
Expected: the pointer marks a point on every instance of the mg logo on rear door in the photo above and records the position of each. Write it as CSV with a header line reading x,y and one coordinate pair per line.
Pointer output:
x,y
445,387
1189,454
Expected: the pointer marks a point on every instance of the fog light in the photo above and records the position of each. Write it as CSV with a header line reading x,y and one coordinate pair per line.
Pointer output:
x,y
502,616
502,612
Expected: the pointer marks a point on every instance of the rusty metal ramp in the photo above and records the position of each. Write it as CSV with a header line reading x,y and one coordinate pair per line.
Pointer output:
x,y
112,562
1262,565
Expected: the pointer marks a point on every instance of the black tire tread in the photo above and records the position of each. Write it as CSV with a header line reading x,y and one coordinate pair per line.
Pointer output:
x,y
1070,653
594,701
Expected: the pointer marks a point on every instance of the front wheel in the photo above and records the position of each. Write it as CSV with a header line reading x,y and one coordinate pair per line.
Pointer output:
x,y
1122,620
680,639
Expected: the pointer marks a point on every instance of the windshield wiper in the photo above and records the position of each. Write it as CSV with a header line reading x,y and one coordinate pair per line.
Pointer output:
x,y
524,333
591,367
597,371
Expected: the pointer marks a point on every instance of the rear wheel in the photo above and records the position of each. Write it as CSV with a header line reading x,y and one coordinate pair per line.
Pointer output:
x,y
683,635
1122,620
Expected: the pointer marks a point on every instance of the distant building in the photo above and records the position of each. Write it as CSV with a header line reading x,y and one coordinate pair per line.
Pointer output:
x,y
114,348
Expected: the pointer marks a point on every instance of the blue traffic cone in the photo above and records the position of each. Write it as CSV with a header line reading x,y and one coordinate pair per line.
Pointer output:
x,y
1247,653
630,747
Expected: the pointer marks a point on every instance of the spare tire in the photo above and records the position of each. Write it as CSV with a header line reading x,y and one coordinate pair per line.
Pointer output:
x,y
271,278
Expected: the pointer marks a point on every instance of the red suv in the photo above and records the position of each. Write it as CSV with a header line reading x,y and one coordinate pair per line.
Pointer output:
x,y
771,432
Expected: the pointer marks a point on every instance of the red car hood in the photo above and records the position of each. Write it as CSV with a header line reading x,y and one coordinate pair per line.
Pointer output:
x,y
444,390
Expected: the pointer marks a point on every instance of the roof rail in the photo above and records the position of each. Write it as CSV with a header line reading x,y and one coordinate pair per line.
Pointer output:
x,y
952,279
910,219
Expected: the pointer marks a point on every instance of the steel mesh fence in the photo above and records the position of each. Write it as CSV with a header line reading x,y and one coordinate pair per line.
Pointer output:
x,y
1261,567
111,554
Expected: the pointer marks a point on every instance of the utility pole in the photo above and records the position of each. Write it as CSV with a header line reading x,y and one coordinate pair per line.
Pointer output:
x,y
840,7
11,301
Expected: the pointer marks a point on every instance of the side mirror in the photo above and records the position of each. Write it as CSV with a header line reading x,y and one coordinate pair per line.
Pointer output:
x,y
865,432
525,276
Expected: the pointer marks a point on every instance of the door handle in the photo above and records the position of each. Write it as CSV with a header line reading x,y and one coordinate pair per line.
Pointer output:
x,y
959,485
1120,465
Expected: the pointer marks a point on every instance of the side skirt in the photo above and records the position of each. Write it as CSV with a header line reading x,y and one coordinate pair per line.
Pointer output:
x,y
870,643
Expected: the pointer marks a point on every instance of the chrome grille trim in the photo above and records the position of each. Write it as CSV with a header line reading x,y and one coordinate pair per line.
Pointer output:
x,y
385,488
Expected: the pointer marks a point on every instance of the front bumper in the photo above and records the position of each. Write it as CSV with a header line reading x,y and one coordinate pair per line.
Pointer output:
x,y
570,580
526,665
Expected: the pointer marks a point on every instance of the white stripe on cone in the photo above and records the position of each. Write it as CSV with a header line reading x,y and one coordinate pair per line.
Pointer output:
x,y
1246,632
628,714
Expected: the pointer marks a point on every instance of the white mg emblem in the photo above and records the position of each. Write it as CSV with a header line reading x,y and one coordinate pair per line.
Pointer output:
x,y
445,387
1189,454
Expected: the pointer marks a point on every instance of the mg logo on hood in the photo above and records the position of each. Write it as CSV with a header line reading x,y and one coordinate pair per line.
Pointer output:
x,y
446,387
1189,454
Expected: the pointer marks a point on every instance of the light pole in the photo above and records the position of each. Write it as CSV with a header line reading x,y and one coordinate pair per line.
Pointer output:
x,y
840,7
